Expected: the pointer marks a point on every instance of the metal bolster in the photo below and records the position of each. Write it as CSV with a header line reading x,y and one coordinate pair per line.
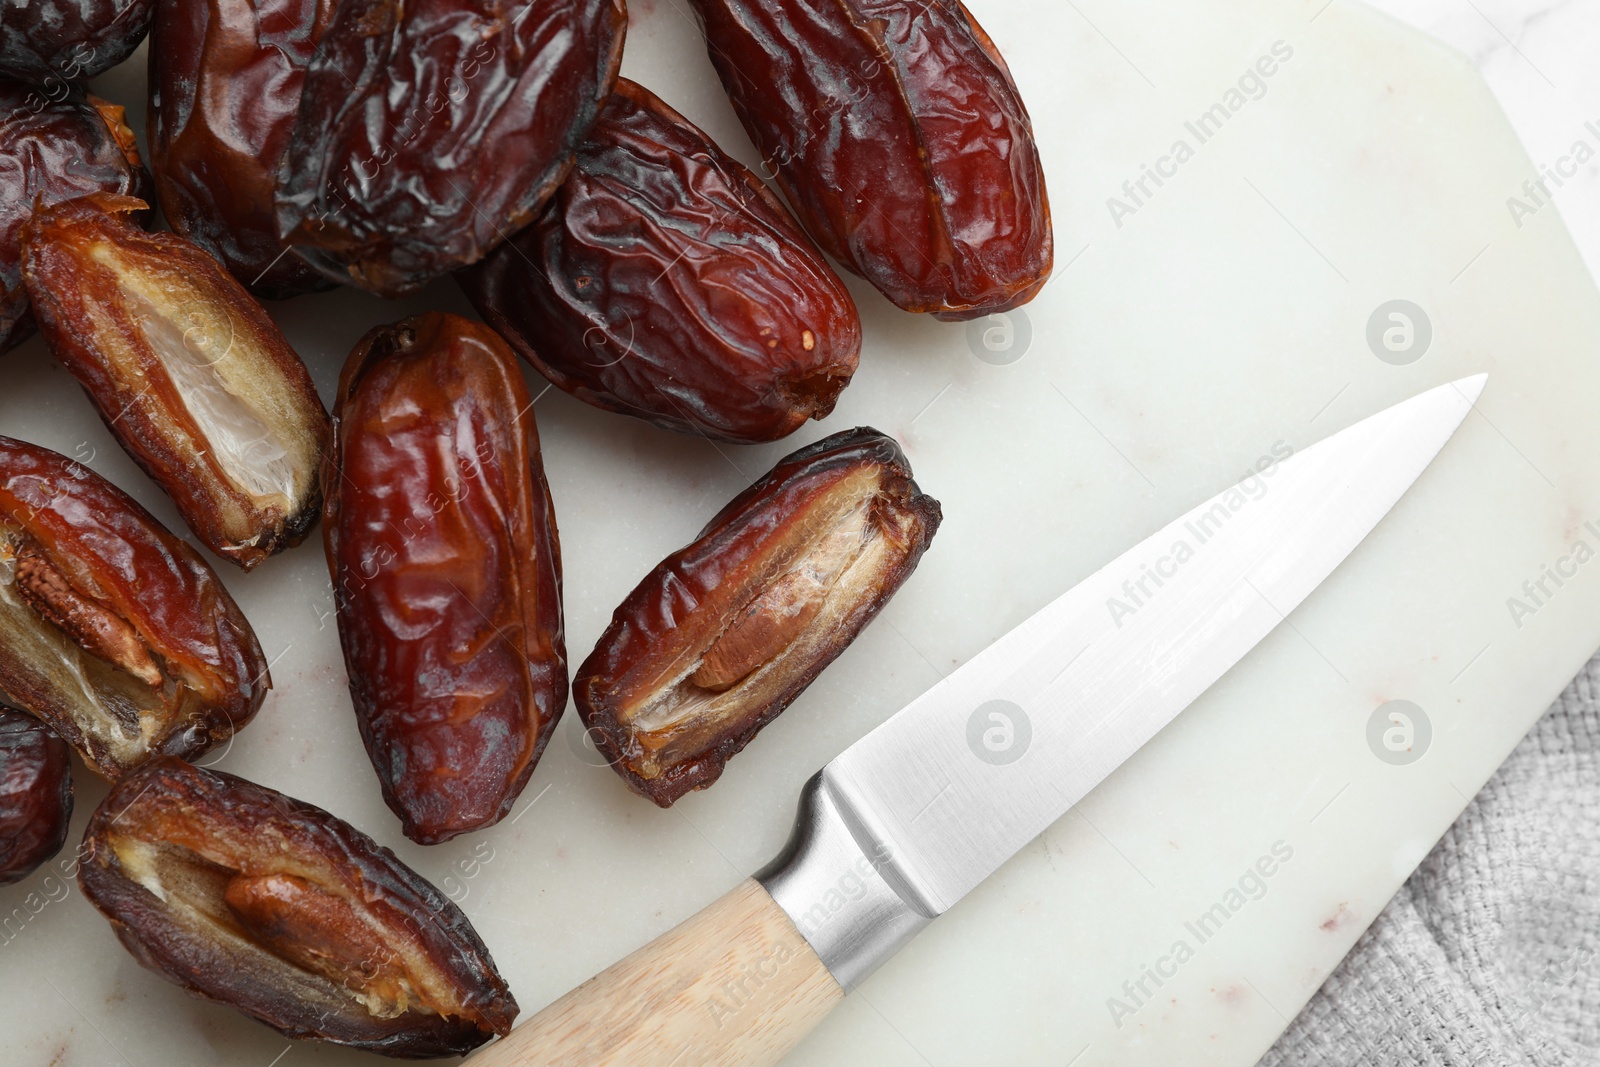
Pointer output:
x,y
843,890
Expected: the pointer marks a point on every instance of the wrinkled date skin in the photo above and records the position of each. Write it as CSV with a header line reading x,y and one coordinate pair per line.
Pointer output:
x,y
188,372
225,80
114,632
51,42
664,281
894,128
431,129
53,148
35,794
442,545
726,632
249,898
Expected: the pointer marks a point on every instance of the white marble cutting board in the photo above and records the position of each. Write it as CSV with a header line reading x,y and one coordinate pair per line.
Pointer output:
x,y
1225,316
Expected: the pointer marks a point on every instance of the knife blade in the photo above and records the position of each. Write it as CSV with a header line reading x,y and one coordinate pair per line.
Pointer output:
x,y
1099,671
906,821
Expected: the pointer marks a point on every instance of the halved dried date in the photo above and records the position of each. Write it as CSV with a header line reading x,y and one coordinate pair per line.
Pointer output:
x,y
225,80
188,372
53,147
249,898
431,129
113,631
726,632
665,281
442,544
895,130
35,794
51,42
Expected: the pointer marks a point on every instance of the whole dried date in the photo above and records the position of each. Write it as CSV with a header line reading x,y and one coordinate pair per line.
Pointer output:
x,y
665,281
725,633
895,130
113,631
188,372
442,544
35,794
53,148
431,129
249,898
51,42
225,80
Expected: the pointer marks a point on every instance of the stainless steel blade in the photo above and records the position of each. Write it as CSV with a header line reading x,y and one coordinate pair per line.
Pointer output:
x,y
964,776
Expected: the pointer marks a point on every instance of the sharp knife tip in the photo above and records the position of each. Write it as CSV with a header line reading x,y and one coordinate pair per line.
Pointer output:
x,y
1471,386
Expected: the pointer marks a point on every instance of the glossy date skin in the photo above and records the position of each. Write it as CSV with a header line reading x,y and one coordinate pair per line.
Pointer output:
x,y
726,632
52,42
895,130
188,372
431,129
53,147
35,794
112,631
664,281
246,897
442,545
225,80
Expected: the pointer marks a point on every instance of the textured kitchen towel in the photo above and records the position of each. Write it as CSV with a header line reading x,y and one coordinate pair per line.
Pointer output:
x,y
1490,955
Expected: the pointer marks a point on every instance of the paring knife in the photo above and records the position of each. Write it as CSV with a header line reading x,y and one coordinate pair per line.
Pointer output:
x,y
903,823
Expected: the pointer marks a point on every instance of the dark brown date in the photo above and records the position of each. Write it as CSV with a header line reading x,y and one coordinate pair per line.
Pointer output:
x,y
665,281
895,130
225,81
188,372
442,544
53,147
113,631
726,632
52,42
431,129
249,898
35,794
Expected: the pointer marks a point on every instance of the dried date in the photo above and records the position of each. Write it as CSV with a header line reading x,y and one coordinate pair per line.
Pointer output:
x,y
53,147
225,82
51,42
35,794
189,373
442,544
665,281
431,129
726,632
114,632
895,130
249,898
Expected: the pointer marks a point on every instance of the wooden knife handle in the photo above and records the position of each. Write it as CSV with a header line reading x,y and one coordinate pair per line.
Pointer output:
x,y
733,986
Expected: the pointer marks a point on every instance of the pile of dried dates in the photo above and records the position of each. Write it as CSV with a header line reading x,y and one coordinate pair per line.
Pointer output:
x,y
606,241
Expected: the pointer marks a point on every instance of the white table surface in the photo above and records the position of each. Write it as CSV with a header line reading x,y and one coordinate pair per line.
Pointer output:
x,y
1166,357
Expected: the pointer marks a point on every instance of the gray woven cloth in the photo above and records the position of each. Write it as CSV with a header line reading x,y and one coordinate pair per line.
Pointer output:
x,y
1490,953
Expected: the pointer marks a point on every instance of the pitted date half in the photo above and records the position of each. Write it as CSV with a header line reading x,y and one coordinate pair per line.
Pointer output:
x,y
188,372
225,80
430,129
52,42
895,130
665,281
248,898
53,147
113,631
726,632
35,794
442,545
